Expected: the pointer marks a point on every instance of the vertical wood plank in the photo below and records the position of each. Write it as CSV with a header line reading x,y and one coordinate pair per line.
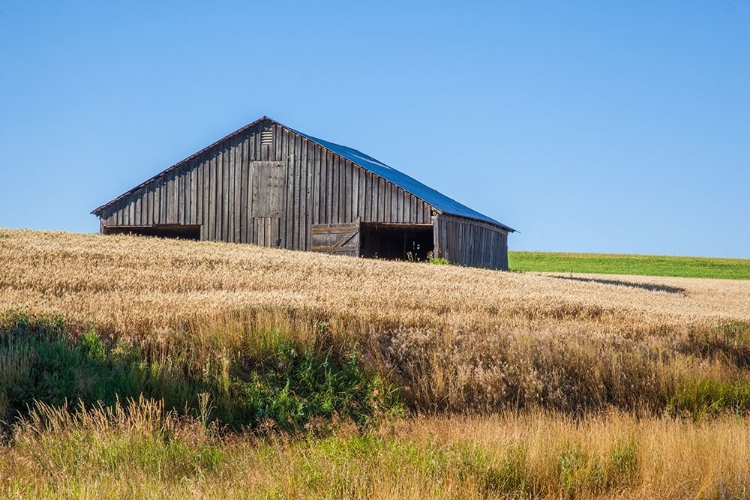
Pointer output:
x,y
372,197
229,190
156,205
175,196
343,190
308,201
226,186
387,202
192,217
361,196
315,207
130,211
325,189
331,201
320,185
143,206
213,204
178,199
234,190
219,215
290,200
163,200
252,155
382,194
242,202
394,203
305,193
237,190
185,193
147,220
170,207
367,202
224,197
277,143
137,209
298,194
166,195
399,204
348,187
261,229
312,209
335,191
283,155
200,194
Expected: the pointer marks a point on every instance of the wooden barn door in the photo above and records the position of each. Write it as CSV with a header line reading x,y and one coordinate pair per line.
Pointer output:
x,y
339,239
268,201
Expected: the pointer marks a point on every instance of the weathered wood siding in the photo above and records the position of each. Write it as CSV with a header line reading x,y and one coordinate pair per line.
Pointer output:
x,y
470,243
339,239
242,189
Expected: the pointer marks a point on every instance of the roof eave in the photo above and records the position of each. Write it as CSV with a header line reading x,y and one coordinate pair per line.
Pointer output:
x,y
483,221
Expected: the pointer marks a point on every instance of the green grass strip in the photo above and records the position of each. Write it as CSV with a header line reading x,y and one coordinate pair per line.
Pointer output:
x,y
646,265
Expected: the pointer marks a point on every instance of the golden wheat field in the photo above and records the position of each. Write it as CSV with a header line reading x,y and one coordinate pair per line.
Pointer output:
x,y
122,282
518,385
454,337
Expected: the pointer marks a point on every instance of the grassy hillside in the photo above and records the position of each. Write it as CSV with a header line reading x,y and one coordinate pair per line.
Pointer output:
x,y
174,369
645,265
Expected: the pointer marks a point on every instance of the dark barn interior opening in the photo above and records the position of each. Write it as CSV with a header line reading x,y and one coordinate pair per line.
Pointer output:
x,y
396,241
181,231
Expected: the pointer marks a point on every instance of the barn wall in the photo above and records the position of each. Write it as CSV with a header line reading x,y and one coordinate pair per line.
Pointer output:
x,y
214,190
209,190
470,243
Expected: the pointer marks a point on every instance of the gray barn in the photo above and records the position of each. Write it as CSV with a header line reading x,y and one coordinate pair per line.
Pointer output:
x,y
270,185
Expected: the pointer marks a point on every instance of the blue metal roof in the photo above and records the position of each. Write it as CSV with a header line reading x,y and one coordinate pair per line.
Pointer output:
x,y
408,184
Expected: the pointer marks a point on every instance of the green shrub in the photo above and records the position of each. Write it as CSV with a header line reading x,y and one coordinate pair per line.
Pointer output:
x,y
704,397
276,382
437,260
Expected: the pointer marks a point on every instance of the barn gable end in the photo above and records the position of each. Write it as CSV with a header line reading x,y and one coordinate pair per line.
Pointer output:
x,y
269,185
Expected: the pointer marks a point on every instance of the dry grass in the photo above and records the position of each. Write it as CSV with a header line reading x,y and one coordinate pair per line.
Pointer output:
x,y
594,374
453,338
142,451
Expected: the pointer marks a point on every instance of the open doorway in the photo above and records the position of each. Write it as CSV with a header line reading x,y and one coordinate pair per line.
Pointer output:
x,y
396,241
181,231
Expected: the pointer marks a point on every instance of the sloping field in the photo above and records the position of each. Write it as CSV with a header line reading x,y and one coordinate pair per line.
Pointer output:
x,y
518,385
453,338
125,283
646,265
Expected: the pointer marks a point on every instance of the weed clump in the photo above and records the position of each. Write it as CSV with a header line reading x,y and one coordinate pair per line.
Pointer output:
x,y
275,382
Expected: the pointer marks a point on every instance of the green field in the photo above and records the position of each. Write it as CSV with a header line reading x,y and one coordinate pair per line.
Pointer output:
x,y
647,265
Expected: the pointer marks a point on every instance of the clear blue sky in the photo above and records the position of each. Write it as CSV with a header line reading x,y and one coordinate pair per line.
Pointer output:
x,y
589,126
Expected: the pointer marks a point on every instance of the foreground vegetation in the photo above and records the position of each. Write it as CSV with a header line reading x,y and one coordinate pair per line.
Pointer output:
x,y
138,450
172,368
646,265
269,380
